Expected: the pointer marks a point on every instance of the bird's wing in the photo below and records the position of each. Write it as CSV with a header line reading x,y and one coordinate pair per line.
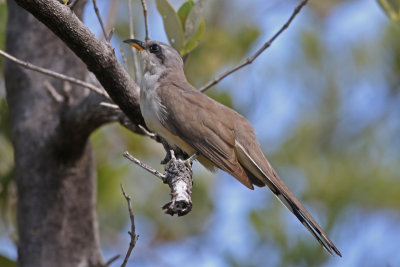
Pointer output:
x,y
214,140
253,160
228,140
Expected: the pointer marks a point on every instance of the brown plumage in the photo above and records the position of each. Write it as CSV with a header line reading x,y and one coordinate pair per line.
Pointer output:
x,y
192,121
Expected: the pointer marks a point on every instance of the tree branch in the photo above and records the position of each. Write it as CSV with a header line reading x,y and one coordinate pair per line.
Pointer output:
x,y
132,233
258,52
88,115
178,175
54,74
124,59
97,55
53,92
146,25
112,12
110,35
96,10
72,4
132,36
110,261
144,166
90,109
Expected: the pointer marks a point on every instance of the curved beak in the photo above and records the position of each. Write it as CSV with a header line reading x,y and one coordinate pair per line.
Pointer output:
x,y
139,45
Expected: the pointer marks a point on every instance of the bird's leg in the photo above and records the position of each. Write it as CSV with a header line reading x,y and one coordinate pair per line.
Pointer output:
x,y
188,162
168,156
172,154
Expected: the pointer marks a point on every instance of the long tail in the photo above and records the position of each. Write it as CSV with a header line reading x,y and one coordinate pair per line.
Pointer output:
x,y
307,220
265,175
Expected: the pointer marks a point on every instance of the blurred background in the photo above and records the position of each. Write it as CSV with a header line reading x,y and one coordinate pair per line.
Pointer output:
x,y
324,100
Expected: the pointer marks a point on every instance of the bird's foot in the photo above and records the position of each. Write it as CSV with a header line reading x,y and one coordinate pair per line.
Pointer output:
x,y
168,158
188,162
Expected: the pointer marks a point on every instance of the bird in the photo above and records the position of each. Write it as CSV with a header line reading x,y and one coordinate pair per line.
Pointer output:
x,y
195,123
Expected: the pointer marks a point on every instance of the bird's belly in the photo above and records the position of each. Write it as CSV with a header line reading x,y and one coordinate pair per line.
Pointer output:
x,y
172,140
151,112
151,117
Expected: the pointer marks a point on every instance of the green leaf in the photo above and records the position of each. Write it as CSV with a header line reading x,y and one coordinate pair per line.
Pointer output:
x,y
184,11
3,26
6,262
221,97
194,18
172,24
193,42
391,8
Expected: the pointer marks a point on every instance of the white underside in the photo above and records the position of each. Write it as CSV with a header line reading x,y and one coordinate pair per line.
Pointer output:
x,y
152,112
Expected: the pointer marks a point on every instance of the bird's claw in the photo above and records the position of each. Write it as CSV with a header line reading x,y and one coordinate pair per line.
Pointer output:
x,y
188,162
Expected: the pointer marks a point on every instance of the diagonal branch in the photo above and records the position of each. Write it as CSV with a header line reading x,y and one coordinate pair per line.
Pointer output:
x,y
132,36
112,12
71,4
89,111
98,56
258,52
96,10
54,74
144,166
146,25
124,59
132,232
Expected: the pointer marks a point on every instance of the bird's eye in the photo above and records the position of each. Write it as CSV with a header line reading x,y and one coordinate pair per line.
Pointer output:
x,y
155,48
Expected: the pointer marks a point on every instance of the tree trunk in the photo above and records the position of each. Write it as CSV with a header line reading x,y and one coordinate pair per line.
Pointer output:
x,y
54,170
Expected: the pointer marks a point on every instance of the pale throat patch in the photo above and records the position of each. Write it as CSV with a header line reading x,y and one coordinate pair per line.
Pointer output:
x,y
154,112
150,63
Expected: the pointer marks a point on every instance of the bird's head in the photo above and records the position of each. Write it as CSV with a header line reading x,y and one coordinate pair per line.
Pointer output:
x,y
157,57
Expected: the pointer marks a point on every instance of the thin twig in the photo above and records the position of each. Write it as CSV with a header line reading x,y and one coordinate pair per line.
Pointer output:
x,y
54,74
132,36
67,88
132,233
146,25
110,35
72,4
258,52
124,59
144,166
108,263
53,92
112,12
109,105
99,18
148,133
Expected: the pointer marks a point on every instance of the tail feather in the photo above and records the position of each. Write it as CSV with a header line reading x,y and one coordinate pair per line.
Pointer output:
x,y
311,226
268,176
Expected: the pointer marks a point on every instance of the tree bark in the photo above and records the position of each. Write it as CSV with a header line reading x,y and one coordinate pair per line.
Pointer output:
x,y
54,170
55,175
97,55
